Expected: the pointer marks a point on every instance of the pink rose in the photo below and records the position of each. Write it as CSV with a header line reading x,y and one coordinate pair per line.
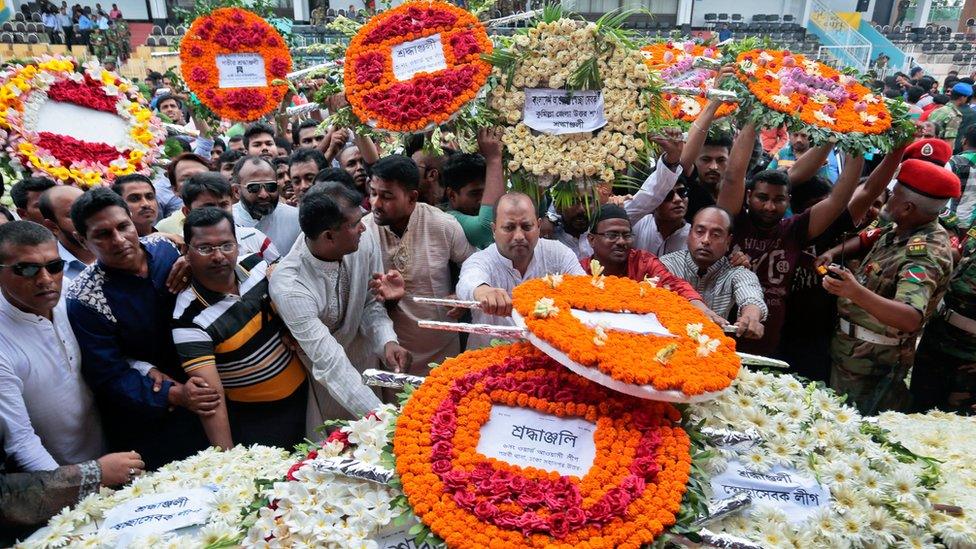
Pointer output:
x,y
464,499
485,511
558,525
441,466
575,516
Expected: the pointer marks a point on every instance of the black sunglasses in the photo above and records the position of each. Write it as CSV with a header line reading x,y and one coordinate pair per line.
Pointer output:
x,y
30,270
680,191
255,188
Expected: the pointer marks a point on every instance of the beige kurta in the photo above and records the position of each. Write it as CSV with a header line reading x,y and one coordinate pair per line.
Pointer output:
x,y
433,239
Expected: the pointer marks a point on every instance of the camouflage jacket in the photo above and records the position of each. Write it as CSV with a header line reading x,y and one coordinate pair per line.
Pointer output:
x,y
949,118
913,269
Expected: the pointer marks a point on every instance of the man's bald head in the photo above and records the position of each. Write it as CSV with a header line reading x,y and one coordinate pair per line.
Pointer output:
x,y
716,213
55,206
514,200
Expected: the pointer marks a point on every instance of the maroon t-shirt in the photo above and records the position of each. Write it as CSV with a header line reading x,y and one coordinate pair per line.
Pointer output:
x,y
775,253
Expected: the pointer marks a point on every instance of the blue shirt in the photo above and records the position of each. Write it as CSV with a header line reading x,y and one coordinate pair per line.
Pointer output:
x,y
724,35
118,317
785,159
169,201
84,23
72,265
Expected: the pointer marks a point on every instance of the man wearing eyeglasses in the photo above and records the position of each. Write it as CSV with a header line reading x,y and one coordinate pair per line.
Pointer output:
x,y
612,239
259,207
227,334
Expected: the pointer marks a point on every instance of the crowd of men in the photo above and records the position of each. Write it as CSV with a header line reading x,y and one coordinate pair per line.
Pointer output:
x,y
236,298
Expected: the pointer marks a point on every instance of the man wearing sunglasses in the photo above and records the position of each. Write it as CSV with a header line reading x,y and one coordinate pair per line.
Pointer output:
x,y
48,416
120,310
255,179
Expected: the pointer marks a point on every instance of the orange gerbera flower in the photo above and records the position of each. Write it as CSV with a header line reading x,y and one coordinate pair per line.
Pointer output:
x,y
627,498
813,92
235,39
415,65
697,359
673,60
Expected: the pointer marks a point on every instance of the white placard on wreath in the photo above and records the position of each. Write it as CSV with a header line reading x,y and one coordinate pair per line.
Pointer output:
x,y
527,438
422,55
241,70
560,112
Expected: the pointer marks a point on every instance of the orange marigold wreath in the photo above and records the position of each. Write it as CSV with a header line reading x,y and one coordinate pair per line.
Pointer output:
x,y
382,100
698,359
230,31
628,497
673,60
813,92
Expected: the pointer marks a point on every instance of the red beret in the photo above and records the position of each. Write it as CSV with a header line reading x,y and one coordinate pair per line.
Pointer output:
x,y
932,150
929,180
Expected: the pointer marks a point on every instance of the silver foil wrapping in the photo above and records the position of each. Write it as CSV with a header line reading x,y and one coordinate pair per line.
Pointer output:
x,y
723,541
301,110
730,438
353,468
507,332
728,96
762,361
390,380
707,63
173,129
303,72
718,510
726,541
448,302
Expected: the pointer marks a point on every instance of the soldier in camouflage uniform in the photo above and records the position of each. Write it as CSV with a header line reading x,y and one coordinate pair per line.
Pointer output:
x,y
98,44
122,41
945,362
318,16
884,304
949,116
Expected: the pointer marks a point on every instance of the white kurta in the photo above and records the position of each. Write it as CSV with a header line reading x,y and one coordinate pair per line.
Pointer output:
x,y
491,268
339,326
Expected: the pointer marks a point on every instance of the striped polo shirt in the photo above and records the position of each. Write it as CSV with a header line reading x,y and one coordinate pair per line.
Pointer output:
x,y
240,335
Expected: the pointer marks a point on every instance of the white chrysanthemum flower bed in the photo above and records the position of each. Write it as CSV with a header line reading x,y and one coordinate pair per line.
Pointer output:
x,y
951,439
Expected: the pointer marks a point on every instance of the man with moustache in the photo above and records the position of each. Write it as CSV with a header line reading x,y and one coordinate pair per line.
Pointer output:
x,y
351,160
139,195
228,334
120,311
774,242
259,140
517,255
611,239
322,292
419,241
303,166
705,265
259,207
55,206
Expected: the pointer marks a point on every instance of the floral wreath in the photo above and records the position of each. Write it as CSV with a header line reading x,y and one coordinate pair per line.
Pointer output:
x,y
24,89
630,495
422,99
673,61
558,52
697,361
230,31
808,95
